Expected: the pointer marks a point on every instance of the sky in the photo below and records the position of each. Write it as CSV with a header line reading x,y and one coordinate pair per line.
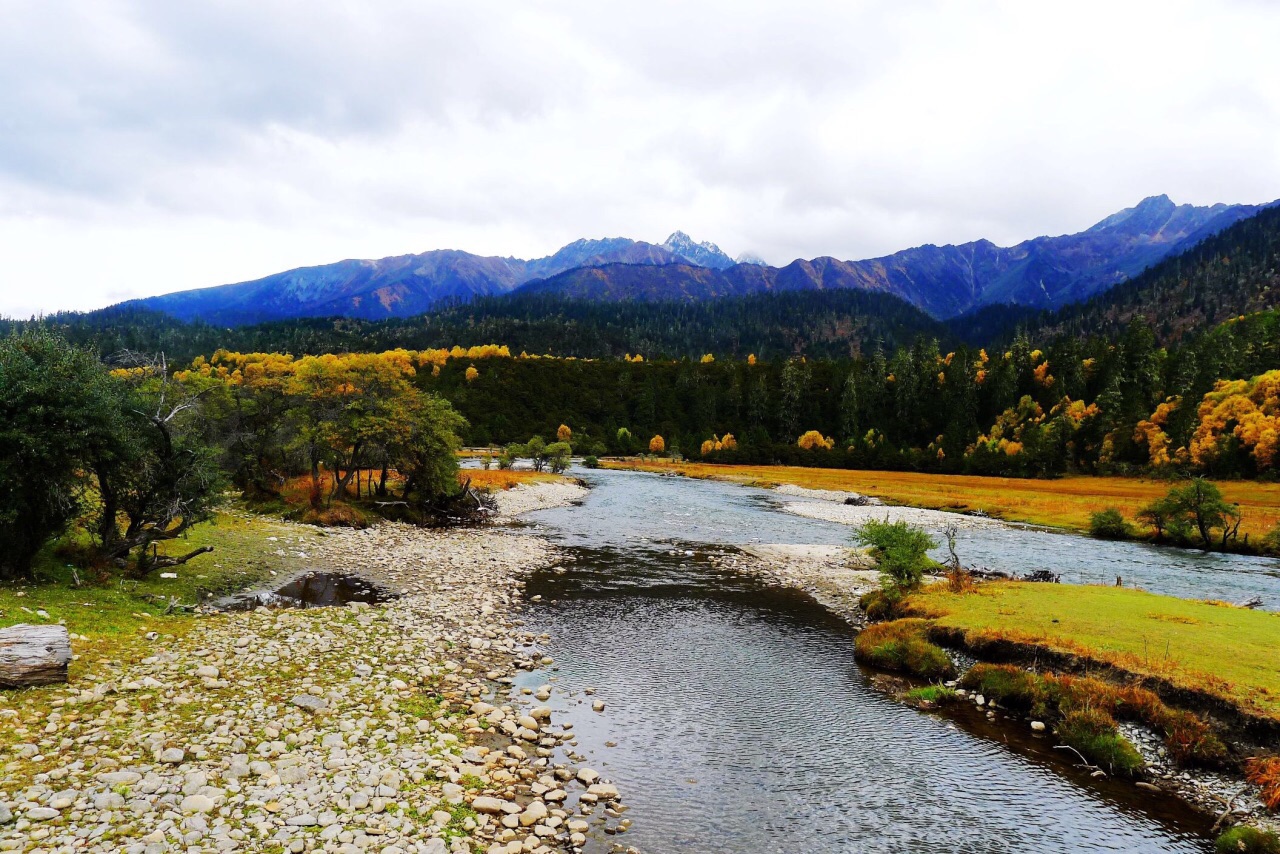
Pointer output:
x,y
148,147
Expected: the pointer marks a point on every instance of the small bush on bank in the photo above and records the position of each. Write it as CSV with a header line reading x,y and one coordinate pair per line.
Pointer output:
x,y
1094,733
1011,687
1188,739
1270,542
901,645
901,551
591,462
336,516
1243,839
881,604
1109,524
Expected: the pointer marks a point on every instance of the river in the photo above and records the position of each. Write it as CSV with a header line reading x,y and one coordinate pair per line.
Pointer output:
x,y
738,721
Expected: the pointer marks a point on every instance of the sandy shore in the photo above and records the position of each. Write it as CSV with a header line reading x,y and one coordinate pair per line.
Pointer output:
x,y
360,728
829,506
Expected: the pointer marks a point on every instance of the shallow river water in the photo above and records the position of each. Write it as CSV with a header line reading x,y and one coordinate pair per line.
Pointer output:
x,y
738,721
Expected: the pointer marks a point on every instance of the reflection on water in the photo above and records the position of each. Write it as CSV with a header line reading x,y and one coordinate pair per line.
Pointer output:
x,y
740,722
635,510
311,590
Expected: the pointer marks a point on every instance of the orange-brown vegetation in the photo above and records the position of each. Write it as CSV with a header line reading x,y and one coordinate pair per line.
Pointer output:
x,y
1264,771
1065,502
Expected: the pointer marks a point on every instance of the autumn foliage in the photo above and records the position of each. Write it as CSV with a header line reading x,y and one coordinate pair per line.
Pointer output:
x,y
337,413
814,440
1239,416
657,445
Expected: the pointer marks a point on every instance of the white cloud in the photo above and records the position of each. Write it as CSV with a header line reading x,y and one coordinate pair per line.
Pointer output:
x,y
152,146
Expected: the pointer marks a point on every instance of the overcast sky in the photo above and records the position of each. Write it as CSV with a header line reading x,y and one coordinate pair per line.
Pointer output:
x,y
147,147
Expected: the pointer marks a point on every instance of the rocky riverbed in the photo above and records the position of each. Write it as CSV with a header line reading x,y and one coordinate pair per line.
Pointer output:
x,y
382,728
835,576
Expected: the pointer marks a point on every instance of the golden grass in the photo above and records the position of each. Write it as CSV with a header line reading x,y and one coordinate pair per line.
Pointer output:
x,y
1063,503
1227,652
495,480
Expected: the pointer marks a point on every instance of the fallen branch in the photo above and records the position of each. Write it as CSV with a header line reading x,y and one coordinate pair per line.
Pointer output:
x,y
1085,762
1228,803
162,560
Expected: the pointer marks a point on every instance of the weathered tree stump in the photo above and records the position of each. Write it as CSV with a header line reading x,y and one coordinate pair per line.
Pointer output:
x,y
33,655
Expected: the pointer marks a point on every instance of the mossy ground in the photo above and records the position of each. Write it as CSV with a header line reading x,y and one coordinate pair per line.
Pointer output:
x,y
110,616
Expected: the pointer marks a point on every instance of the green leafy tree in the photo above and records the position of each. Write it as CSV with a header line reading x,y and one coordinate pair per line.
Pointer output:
x,y
1202,504
557,456
428,456
162,477
57,408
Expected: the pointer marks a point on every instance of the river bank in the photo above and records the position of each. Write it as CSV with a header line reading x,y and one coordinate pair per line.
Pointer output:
x,y
837,577
383,727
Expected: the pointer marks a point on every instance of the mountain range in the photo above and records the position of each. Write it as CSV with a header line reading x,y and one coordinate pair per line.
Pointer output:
x,y
944,281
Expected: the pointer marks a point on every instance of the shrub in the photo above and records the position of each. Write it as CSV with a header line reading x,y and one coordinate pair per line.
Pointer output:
x,y
900,549
1095,735
1243,839
1265,772
881,604
1012,687
1189,739
1270,542
591,462
1108,524
901,645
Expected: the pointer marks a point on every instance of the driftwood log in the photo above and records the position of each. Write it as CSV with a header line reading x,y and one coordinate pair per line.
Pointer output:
x,y
33,655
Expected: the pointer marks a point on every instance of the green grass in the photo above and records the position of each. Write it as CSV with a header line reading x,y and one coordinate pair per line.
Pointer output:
x,y
1244,839
934,695
243,556
1225,651
1095,735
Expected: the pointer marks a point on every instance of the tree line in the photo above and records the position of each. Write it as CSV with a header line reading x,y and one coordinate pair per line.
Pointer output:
x,y
1208,406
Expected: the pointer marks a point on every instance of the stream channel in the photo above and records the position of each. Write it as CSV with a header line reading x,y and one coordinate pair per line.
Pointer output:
x,y
738,721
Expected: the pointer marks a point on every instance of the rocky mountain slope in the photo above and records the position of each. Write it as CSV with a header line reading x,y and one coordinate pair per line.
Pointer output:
x,y
945,281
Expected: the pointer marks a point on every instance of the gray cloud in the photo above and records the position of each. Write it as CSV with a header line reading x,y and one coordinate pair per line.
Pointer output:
x,y
148,146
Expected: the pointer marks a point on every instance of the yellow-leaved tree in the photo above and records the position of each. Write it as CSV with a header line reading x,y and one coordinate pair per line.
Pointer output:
x,y
1247,411
472,374
657,445
814,440
564,434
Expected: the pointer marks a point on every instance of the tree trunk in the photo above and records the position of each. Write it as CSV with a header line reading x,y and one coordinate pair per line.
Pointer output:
x,y
33,655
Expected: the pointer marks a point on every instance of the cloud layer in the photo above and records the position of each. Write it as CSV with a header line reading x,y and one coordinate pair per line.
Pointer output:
x,y
151,146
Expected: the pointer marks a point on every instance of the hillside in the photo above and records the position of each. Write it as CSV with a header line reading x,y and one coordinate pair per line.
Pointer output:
x,y
1233,273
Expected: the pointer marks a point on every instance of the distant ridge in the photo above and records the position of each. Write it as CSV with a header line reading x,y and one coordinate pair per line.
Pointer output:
x,y
944,281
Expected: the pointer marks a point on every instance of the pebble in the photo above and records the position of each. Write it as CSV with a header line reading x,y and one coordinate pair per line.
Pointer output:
x,y
342,729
